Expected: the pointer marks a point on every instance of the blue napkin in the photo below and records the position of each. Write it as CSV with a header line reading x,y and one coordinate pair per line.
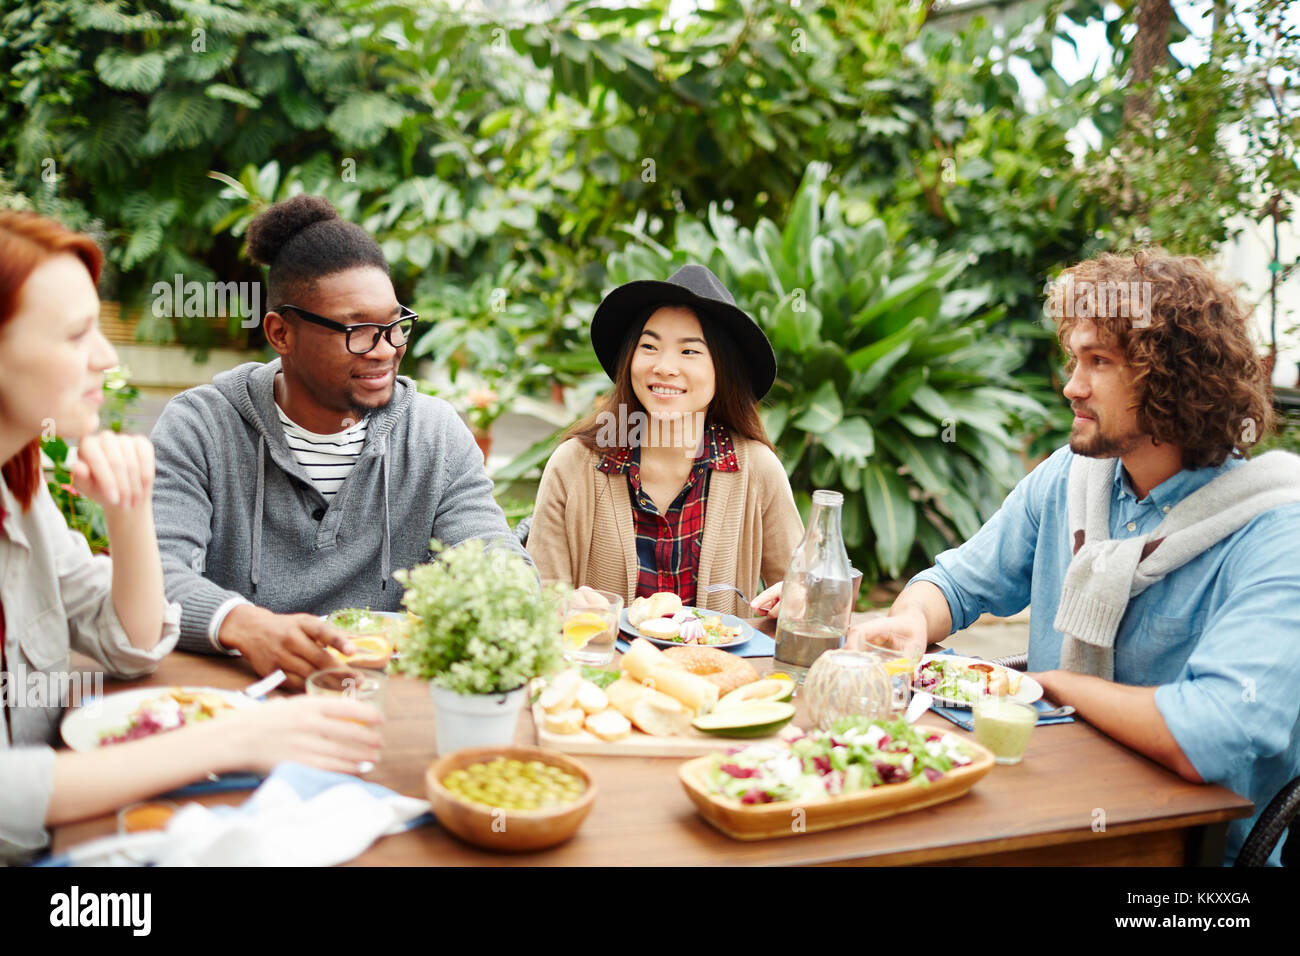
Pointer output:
x,y
963,718
224,782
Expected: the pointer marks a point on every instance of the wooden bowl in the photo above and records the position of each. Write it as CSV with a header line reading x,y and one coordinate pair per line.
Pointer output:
x,y
508,831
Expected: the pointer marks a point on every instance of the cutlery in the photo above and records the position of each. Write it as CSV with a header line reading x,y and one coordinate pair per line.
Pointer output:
x,y
1065,711
715,588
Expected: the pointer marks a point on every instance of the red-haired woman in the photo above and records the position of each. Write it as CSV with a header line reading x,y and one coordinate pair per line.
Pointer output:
x,y
56,597
673,484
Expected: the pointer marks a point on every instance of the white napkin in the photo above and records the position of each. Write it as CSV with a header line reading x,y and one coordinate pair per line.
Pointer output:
x,y
297,817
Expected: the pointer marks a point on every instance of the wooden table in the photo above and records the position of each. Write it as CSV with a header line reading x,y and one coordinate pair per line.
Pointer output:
x,y
1078,798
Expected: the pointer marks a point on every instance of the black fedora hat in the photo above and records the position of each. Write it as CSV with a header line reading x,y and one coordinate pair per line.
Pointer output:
x,y
693,286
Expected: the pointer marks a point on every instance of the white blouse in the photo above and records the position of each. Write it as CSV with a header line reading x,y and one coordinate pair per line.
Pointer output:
x,y
57,597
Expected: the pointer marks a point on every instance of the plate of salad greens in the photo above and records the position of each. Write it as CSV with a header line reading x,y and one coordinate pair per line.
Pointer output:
x,y
858,770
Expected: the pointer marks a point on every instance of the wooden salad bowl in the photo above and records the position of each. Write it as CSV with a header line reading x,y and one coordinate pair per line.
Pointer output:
x,y
509,831
763,821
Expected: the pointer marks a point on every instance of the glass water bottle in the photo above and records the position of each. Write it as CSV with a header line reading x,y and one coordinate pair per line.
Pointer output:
x,y
816,598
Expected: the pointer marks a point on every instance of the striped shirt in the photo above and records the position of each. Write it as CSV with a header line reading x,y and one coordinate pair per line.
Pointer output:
x,y
327,459
668,545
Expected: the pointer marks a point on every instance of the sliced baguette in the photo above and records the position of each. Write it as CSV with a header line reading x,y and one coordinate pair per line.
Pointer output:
x,y
564,721
609,725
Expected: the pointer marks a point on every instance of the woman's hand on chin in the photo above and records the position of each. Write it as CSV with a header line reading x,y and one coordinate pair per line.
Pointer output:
x,y
115,470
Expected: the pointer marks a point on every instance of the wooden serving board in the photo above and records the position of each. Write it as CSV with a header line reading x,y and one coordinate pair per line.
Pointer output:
x,y
638,744
763,821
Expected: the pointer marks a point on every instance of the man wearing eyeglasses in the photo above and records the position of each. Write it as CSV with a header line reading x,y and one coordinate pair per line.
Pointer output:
x,y
290,489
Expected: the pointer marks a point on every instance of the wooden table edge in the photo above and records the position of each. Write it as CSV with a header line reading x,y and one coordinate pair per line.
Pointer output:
x,y
1011,844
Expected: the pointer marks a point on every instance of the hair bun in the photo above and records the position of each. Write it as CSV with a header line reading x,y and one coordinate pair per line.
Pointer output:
x,y
272,228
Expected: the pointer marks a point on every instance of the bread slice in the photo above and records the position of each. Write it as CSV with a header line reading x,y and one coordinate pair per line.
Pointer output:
x,y
565,721
661,627
609,725
562,691
591,698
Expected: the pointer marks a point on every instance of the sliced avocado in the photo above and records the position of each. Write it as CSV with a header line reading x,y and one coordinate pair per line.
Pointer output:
x,y
756,718
769,689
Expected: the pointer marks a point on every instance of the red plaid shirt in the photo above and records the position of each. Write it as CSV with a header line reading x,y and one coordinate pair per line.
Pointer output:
x,y
668,545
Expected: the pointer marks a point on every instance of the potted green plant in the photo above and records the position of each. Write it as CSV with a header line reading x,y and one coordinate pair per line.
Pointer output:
x,y
483,629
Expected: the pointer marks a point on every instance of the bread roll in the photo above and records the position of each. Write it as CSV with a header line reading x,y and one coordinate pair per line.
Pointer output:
x,y
638,611
664,604
641,658
645,663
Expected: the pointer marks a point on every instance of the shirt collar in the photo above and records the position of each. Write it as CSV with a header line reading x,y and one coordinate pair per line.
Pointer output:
x,y
11,515
1178,486
719,453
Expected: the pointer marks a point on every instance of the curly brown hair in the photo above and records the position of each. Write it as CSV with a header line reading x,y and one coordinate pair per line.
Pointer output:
x,y
1183,331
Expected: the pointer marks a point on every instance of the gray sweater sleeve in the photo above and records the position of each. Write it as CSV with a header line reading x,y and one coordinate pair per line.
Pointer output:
x,y
466,508
182,509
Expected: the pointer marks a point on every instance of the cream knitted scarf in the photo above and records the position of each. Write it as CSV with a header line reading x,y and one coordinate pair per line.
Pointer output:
x,y
1105,573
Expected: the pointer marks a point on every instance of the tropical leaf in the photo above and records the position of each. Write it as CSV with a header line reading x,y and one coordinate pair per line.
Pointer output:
x,y
140,73
893,516
823,412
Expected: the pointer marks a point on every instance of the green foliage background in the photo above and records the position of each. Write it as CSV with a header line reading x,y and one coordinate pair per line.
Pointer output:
x,y
516,166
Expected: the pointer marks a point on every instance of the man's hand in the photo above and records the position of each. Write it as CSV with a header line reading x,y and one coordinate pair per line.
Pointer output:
x,y
905,632
293,643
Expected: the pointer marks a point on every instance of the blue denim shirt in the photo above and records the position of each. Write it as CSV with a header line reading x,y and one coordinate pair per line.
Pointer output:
x,y
1219,638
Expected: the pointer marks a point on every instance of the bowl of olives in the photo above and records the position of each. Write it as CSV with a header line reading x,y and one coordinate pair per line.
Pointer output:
x,y
510,798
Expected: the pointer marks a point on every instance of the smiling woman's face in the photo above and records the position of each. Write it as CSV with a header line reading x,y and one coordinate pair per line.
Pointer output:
x,y
52,354
672,370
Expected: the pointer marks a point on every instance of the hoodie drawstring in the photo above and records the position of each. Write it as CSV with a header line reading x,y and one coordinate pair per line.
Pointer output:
x,y
383,471
255,569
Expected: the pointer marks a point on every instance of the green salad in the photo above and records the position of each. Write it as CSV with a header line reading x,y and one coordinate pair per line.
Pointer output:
x,y
855,754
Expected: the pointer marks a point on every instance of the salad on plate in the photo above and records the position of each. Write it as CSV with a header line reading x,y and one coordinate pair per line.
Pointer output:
x,y
856,754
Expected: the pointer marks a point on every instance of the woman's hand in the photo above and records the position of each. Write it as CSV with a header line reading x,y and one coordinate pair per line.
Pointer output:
x,y
329,733
769,602
115,470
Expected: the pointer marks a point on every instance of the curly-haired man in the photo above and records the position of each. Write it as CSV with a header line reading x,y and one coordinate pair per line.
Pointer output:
x,y
1160,564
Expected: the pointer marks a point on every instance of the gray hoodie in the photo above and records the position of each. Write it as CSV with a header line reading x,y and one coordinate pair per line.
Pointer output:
x,y
237,515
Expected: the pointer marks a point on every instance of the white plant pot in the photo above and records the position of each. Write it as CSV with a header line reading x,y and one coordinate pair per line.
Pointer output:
x,y
475,720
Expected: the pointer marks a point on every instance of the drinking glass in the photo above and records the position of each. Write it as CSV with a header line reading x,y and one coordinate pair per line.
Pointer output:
x,y
1004,726
590,626
367,686
901,670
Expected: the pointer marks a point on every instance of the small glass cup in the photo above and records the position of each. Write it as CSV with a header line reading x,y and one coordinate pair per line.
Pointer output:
x,y
590,626
1004,726
367,686
901,670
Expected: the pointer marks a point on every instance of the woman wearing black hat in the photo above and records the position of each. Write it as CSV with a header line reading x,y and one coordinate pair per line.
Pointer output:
x,y
672,484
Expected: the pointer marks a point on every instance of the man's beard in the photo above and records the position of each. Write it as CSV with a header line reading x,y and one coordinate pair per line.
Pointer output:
x,y
1103,445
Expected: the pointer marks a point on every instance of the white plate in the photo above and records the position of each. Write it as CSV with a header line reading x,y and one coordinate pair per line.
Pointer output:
x,y
81,728
1028,692
728,620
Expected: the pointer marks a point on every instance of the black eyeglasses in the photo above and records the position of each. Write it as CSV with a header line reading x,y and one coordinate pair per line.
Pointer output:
x,y
398,333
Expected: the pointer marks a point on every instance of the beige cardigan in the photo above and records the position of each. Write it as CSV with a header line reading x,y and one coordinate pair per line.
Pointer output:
x,y
582,531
